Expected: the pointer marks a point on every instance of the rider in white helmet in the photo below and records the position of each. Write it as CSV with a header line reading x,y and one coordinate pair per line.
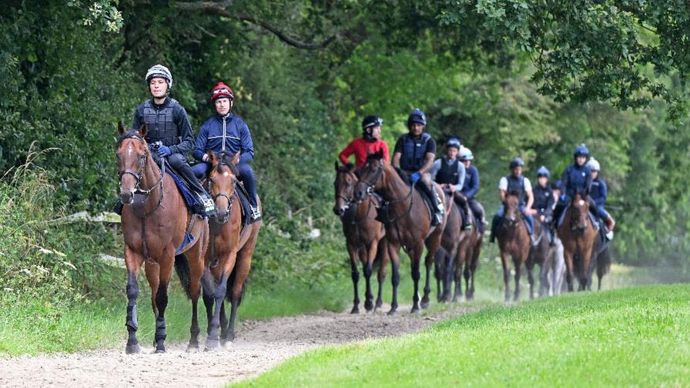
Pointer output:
x,y
599,193
169,132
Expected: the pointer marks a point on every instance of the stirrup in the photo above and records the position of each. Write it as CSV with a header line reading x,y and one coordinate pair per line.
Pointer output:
x,y
255,213
609,235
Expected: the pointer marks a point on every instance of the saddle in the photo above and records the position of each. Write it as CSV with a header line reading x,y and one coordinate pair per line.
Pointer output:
x,y
592,218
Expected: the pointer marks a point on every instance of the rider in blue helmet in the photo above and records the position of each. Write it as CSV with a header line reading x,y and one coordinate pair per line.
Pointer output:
x,y
515,183
599,194
577,179
449,172
543,199
414,154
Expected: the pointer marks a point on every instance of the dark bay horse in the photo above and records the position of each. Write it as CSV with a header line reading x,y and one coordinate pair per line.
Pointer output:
x,y
467,261
364,235
446,255
543,254
578,234
230,250
408,223
514,242
154,223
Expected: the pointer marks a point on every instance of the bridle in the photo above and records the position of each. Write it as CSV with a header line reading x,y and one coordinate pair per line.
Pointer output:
x,y
139,174
230,198
370,190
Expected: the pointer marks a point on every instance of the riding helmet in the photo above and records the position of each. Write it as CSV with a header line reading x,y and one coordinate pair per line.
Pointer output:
x,y
593,164
221,90
517,162
453,142
581,150
543,171
371,121
159,71
465,154
416,116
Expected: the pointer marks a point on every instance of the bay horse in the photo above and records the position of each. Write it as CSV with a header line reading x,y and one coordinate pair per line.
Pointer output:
x,y
230,250
467,261
514,242
407,222
155,221
446,255
364,235
578,234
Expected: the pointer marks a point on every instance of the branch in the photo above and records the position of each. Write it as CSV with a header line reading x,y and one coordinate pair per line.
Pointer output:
x,y
220,8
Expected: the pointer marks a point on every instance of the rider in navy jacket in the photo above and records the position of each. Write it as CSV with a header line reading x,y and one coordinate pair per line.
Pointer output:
x,y
227,132
577,178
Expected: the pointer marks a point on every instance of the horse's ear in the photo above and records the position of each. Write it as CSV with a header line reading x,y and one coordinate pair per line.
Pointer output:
x,y
379,154
337,165
143,129
213,158
236,159
120,127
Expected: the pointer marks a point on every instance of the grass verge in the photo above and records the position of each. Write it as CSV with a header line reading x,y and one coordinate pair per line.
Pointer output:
x,y
634,336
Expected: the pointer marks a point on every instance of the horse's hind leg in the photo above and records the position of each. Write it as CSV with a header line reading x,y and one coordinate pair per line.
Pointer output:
x,y
195,261
394,253
382,258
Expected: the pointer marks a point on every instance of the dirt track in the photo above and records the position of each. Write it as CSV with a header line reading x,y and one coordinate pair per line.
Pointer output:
x,y
260,346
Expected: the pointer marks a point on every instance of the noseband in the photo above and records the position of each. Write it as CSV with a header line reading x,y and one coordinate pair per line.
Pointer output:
x,y
230,197
139,173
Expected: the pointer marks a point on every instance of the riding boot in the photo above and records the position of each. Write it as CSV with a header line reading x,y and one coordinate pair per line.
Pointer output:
x,y
465,210
438,210
494,226
610,224
206,207
117,209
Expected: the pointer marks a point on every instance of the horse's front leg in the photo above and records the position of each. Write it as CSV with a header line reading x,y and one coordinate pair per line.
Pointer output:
x,y
414,266
133,262
518,269
368,270
213,339
354,260
568,256
505,261
429,263
394,253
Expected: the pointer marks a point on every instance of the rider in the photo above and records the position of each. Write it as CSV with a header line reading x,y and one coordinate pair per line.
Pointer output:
x,y
577,178
471,186
169,132
598,193
414,154
543,199
450,174
515,183
227,132
369,143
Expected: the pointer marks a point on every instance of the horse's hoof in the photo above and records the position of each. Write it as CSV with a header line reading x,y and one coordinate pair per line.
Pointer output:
x,y
368,305
379,304
415,310
132,349
212,345
193,348
424,304
392,311
355,310
160,350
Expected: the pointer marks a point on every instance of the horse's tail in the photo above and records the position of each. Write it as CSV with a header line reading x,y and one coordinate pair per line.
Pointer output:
x,y
182,269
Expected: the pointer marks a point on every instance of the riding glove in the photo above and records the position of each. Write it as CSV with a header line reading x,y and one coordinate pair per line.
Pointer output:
x,y
164,151
414,177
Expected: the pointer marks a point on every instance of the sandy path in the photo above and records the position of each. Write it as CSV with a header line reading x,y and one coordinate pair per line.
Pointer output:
x,y
260,345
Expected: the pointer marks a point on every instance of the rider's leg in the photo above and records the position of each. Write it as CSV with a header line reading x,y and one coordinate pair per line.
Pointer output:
x,y
478,211
494,222
249,180
529,220
200,170
608,220
428,187
464,210
179,163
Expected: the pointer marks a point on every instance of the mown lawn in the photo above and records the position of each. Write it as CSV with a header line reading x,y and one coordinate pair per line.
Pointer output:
x,y
636,336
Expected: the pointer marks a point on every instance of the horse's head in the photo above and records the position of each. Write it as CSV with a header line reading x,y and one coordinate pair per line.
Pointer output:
x,y
345,181
132,153
579,217
371,176
221,182
512,210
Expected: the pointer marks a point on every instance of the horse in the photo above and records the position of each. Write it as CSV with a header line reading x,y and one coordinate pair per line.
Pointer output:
x,y
407,222
542,253
601,258
467,261
230,250
155,221
578,234
364,235
514,242
447,254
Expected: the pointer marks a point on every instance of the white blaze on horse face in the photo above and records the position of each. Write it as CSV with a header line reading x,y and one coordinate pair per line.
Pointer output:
x,y
225,173
581,203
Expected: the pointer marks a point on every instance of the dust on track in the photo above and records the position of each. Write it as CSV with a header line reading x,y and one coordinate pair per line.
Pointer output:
x,y
260,345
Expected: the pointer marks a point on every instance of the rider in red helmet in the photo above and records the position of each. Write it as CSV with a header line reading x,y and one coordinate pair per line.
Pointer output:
x,y
226,132
369,143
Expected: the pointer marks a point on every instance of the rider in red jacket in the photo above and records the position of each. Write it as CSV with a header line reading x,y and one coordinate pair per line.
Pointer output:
x,y
369,143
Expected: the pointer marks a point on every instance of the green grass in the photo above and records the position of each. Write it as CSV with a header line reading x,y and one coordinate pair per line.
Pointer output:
x,y
634,336
38,327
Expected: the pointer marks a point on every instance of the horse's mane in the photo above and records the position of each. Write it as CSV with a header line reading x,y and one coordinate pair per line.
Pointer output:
x,y
375,156
226,159
129,134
